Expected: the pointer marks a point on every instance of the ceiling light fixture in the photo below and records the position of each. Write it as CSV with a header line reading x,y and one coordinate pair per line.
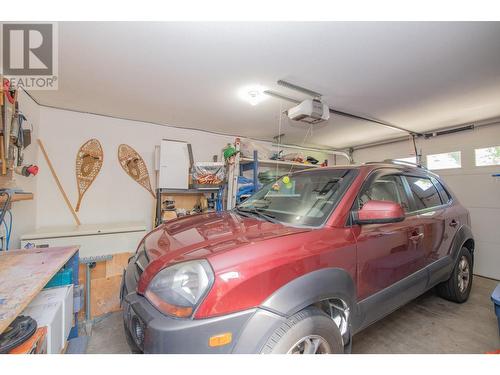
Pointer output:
x,y
253,94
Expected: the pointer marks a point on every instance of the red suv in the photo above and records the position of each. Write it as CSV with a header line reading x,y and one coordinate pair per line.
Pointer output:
x,y
301,266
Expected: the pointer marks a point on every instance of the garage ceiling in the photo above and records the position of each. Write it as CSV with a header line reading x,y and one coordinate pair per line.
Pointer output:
x,y
420,76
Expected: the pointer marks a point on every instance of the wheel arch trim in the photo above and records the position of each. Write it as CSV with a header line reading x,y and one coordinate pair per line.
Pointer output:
x,y
316,286
462,236
313,287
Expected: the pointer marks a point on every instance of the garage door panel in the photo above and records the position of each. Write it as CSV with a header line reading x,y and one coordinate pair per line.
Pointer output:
x,y
485,224
475,190
487,260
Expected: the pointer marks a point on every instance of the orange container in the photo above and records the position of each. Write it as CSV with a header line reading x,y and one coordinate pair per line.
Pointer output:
x,y
36,344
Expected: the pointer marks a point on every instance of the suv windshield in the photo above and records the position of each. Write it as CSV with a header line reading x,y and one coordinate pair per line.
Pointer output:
x,y
304,198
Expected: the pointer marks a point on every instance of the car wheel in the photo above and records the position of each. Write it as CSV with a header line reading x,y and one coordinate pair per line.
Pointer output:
x,y
457,287
309,331
134,349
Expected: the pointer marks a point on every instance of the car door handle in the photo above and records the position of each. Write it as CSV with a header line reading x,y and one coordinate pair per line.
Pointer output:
x,y
453,223
416,237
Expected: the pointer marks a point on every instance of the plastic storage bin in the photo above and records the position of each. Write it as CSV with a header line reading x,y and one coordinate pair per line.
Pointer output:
x,y
208,174
78,298
63,277
495,297
49,316
62,295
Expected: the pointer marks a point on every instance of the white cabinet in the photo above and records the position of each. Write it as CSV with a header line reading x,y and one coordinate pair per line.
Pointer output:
x,y
175,160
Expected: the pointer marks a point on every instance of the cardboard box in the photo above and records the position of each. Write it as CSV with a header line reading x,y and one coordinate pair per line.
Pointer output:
x,y
50,316
64,296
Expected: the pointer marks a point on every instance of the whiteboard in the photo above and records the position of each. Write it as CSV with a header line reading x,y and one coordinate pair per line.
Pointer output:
x,y
174,165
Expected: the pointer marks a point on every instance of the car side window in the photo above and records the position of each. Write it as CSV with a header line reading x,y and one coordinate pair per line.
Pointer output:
x,y
385,188
424,192
445,196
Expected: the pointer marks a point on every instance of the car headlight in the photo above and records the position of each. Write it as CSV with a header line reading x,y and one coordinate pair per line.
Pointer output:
x,y
177,290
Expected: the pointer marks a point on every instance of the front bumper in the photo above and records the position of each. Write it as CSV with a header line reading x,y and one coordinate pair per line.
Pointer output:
x,y
163,334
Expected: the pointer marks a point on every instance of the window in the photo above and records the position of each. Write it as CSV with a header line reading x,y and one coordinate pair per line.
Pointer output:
x,y
424,192
386,188
445,196
304,198
446,160
487,156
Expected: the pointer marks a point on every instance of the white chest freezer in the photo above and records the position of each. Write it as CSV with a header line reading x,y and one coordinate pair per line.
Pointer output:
x,y
94,240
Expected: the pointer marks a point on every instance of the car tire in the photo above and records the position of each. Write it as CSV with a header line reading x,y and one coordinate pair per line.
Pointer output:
x,y
310,331
457,287
134,349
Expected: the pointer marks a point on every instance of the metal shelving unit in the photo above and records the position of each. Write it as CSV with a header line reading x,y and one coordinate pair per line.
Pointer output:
x,y
272,163
242,164
187,191
254,164
159,192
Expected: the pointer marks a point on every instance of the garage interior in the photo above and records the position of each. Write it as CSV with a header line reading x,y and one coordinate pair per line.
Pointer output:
x,y
174,98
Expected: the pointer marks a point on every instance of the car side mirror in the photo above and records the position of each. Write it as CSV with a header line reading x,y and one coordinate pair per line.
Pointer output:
x,y
379,212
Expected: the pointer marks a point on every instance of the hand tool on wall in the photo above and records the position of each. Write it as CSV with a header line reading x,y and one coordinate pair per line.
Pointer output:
x,y
10,117
58,183
2,127
14,138
88,164
2,156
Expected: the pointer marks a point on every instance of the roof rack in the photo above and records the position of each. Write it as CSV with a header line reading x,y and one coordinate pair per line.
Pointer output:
x,y
395,161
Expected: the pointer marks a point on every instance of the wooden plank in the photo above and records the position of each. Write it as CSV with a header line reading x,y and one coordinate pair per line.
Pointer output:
x,y
23,274
17,197
105,281
116,265
58,183
105,295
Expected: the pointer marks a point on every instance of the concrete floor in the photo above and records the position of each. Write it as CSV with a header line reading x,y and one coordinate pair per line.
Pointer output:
x,y
428,324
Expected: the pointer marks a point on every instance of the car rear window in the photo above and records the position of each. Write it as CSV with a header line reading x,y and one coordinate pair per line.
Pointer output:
x,y
424,192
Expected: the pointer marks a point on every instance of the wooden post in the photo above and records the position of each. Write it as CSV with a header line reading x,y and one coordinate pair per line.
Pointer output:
x,y
70,207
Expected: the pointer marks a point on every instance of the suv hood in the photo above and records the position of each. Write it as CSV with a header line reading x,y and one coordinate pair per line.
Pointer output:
x,y
213,232
200,236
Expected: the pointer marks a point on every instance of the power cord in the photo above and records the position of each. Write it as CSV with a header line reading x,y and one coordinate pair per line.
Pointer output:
x,y
8,230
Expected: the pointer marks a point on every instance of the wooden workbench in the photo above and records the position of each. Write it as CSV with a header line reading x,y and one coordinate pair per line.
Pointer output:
x,y
23,274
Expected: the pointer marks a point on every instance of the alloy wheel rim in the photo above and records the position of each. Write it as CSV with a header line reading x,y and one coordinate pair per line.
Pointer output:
x,y
463,274
311,344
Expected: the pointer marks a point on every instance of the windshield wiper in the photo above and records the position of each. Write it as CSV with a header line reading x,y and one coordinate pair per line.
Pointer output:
x,y
259,213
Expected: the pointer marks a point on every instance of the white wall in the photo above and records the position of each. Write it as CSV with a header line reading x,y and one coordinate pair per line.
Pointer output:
x,y
113,197
474,186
